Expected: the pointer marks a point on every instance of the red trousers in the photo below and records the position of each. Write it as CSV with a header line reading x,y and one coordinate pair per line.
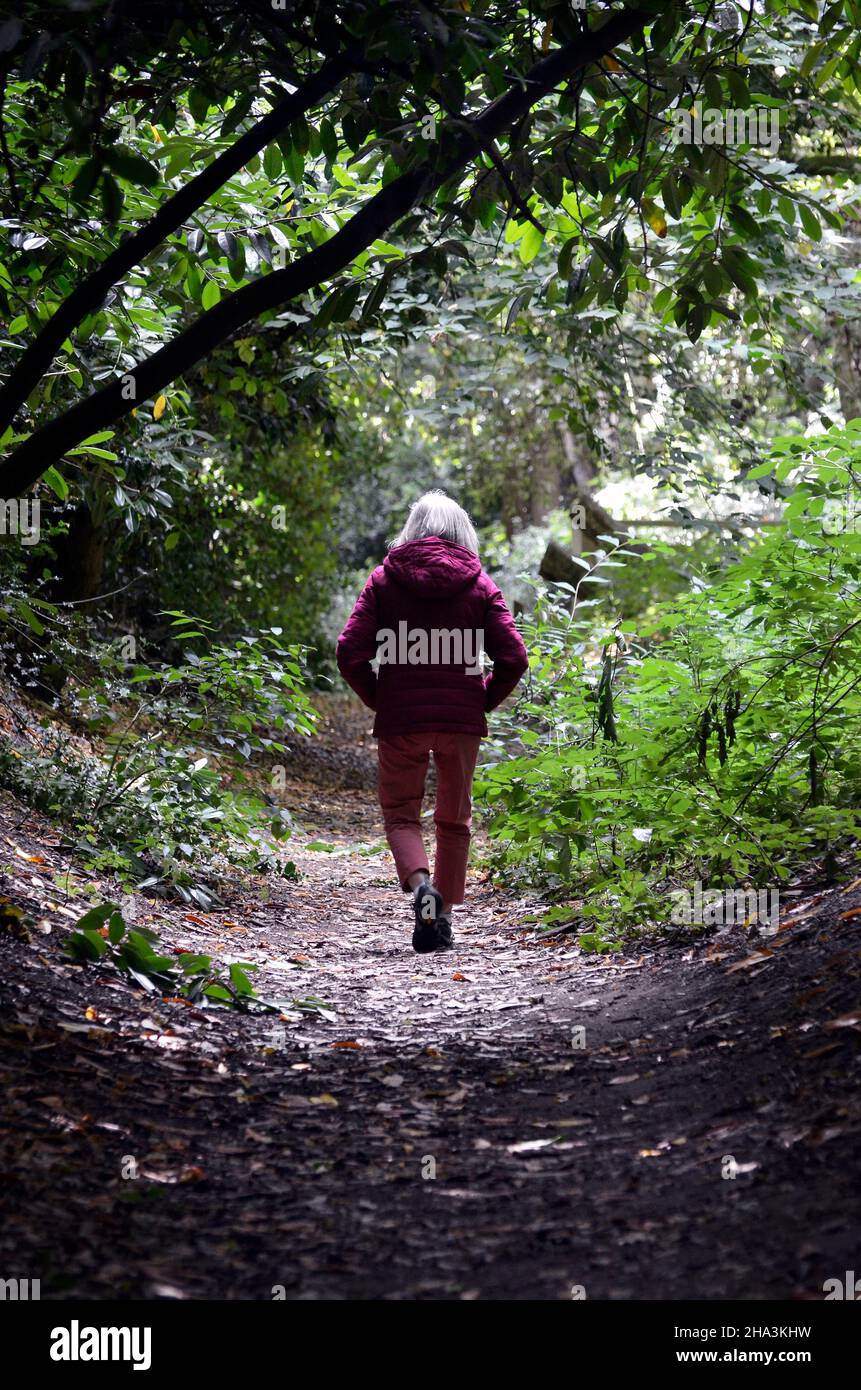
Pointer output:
x,y
403,765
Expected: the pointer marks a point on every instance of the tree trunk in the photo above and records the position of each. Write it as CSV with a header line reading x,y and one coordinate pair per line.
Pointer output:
x,y
545,488
80,559
590,521
847,367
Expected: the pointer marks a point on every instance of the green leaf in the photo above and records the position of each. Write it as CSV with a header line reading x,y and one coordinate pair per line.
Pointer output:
x,y
198,104
272,163
738,88
377,294
132,167
339,305
563,261
519,302
96,917
695,322
193,963
218,992
713,91
736,268
116,928
112,198
240,980
606,253
93,452
85,179
671,196
56,482
810,222
86,945
294,165
530,244
329,140
228,244
743,222
30,617
811,58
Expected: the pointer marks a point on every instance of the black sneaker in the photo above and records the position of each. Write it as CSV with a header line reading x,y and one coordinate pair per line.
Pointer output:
x,y
427,905
443,929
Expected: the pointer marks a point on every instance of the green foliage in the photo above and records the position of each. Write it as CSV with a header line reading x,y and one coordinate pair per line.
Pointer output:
x,y
158,803
589,204
102,935
721,740
251,547
664,302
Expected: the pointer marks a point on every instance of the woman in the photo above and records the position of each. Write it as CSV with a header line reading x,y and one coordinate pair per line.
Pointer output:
x,y
426,611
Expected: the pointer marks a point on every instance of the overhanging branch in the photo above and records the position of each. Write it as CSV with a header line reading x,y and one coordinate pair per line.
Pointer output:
x,y
89,294
48,444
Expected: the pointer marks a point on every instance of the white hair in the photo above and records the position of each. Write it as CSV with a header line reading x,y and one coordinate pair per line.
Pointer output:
x,y
435,514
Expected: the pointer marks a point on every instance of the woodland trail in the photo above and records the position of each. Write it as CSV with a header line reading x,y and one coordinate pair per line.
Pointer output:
x,y
433,1131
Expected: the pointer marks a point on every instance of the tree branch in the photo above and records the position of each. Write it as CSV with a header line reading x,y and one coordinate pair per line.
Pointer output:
x,y
89,294
48,444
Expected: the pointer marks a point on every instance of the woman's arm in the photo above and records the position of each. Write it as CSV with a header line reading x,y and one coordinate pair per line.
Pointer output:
x,y
357,646
504,646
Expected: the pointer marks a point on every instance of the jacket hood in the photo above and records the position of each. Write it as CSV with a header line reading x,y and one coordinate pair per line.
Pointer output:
x,y
432,566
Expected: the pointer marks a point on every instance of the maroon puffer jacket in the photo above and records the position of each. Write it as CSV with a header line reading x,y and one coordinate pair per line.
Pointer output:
x,y
430,587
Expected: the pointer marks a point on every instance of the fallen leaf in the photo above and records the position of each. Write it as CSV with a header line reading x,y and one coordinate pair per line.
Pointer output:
x,y
759,959
852,1020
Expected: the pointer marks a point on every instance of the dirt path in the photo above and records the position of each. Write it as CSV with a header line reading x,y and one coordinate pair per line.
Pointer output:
x,y
509,1120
